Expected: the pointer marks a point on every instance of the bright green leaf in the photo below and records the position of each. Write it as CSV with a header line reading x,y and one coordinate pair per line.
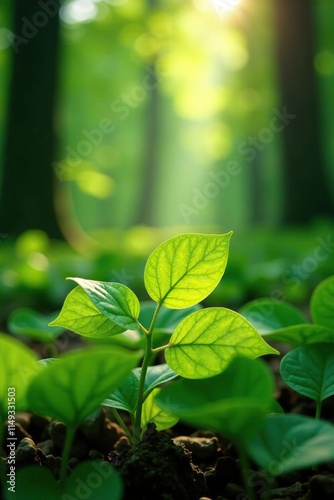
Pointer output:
x,y
96,478
185,269
309,370
267,315
116,301
153,413
289,442
80,315
322,303
301,334
204,343
73,387
18,366
233,403
29,323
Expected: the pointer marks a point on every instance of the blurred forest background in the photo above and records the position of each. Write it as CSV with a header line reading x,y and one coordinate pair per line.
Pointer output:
x,y
124,122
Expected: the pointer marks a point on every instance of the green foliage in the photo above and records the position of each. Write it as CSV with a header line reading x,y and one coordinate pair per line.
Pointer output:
x,y
204,342
309,370
290,442
301,334
322,310
152,412
29,323
184,270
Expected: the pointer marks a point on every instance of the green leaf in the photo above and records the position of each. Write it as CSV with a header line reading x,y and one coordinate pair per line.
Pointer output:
x,y
289,442
152,412
267,315
309,370
167,320
80,315
73,387
233,403
301,334
322,303
204,343
29,323
116,301
125,397
18,366
185,269
89,479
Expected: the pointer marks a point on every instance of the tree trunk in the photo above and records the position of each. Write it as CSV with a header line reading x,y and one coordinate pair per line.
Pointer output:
x,y
26,200
306,192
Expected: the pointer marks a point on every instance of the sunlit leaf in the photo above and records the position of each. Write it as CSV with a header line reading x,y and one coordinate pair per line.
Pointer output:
x,y
185,269
81,316
73,387
233,403
115,300
309,370
267,315
322,303
204,343
152,412
289,442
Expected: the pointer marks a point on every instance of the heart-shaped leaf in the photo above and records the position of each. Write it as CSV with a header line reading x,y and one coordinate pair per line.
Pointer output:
x,y
115,300
322,303
267,315
71,389
301,334
309,370
289,442
185,269
93,480
233,403
29,323
204,343
152,412
125,397
18,366
81,316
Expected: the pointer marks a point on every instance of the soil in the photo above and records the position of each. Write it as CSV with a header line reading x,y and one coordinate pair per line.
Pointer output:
x,y
180,464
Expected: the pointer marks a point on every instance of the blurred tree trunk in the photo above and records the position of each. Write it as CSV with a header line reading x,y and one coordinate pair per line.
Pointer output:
x,y
306,192
145,214
26,199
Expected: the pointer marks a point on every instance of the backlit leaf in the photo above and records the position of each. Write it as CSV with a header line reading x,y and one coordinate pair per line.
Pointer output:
x,y
204,343
152,412
322,303
185,269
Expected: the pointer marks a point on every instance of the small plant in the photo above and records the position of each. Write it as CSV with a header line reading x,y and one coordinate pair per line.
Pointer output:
x,y
179,274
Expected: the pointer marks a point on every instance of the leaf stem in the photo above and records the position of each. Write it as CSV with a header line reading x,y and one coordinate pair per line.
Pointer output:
x,y
318,410
146,360
122,424
244,464
66,454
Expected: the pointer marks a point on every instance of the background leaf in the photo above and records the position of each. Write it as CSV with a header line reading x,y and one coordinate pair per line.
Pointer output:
x,y
204,343
309,370
81,316
289,442
115,300
184,270
73,387
233,403
322,303
29,323
301,334
267,315
18,366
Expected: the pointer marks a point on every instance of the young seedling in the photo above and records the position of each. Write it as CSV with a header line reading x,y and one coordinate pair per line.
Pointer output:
x,y
179,274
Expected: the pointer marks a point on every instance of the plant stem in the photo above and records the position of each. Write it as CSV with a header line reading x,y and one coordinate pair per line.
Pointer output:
x,y
122,424
66,454
146,360
244,464
318,410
